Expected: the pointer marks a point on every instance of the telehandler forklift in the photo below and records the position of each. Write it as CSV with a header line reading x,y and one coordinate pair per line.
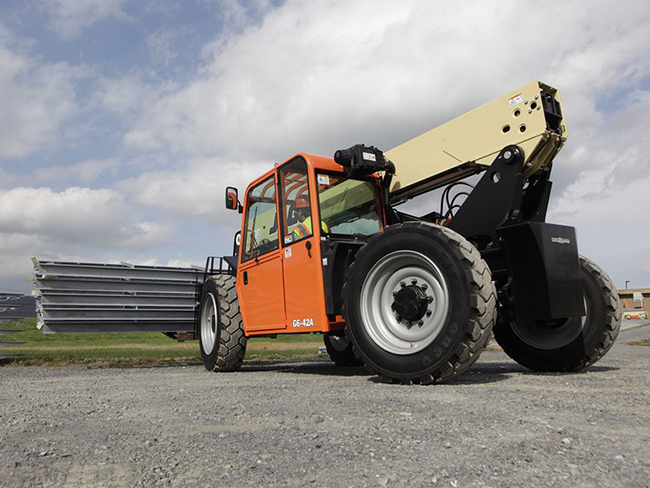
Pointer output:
x,y
415,298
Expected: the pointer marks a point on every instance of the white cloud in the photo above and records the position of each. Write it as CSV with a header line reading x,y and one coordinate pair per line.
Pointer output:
x,y
195,189
122,96
141,141
37,101
317,75
235,17
606,159
80,222
15,265
75,216
161,46
63,175
68,18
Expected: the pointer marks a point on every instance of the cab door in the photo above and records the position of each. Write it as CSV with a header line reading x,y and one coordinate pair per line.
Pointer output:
x,y
301,253
259,274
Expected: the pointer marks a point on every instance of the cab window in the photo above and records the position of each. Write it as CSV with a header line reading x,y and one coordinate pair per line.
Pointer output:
x,y
297,214
348,207
261,231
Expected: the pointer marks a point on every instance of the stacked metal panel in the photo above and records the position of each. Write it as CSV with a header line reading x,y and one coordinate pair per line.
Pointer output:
x,y
94,297
6,305
8,313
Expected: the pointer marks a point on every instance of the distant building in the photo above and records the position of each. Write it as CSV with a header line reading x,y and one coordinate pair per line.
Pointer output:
x,y
635,303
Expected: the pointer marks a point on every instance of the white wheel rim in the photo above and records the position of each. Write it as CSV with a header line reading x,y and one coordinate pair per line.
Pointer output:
x,y
209,323
380,321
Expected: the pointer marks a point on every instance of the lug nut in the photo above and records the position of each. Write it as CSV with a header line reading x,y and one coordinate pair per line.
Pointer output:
x,y
414,281
409,325
429,299
420,323
429,312
424,286
402,284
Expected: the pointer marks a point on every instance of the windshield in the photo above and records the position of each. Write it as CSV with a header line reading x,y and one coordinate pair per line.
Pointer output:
x,y
348,206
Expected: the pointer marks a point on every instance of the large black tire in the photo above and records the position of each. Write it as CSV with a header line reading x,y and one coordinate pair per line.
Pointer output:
x,y
340,349
567,344
459,298
221,332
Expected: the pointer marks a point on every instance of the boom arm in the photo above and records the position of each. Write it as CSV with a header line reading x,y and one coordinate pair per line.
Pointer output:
x,y
529,117
515,139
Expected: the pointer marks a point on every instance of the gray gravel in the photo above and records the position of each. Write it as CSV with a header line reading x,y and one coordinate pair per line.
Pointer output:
x,y
290,423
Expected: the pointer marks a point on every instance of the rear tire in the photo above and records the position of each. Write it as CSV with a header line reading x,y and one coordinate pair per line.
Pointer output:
x,y
221,332
340,349
448,303
568,344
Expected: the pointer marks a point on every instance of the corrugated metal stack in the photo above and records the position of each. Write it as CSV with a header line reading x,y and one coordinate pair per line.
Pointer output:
x,y
8,308
93,297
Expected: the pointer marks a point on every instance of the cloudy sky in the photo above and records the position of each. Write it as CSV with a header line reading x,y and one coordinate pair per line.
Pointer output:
x,y
122,121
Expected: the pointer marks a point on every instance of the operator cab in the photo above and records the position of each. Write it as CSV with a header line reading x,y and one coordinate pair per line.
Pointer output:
x,y
303,222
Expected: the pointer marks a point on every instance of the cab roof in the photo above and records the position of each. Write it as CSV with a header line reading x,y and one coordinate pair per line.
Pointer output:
x,y
313,162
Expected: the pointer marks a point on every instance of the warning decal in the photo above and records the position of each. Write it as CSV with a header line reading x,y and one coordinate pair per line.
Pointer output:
x,y
516,99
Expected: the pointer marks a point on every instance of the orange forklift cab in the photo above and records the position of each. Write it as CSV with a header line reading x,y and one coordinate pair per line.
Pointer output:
x,y
280,281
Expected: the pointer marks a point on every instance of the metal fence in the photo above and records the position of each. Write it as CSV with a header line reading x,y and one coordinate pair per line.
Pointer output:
x,y
93,297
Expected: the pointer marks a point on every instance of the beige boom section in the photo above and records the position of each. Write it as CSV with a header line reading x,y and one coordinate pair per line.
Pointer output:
x,y
468,143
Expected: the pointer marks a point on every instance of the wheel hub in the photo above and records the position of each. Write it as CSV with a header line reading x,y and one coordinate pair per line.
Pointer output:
x,y
410,302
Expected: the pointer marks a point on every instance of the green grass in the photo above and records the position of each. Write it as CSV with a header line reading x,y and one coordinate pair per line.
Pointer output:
x,y
144,348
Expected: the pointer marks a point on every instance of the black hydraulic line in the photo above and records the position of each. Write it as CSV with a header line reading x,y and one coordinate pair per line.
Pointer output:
x,y
444,198
391,215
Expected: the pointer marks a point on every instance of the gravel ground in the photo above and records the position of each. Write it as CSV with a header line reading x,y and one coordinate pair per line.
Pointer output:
x,y
292,423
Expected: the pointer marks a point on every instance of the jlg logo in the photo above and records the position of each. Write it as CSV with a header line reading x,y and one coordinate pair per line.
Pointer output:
x,y
560,240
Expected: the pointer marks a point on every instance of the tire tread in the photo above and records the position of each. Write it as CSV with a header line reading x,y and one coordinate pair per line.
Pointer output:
x,y
613,311
483,300
232,341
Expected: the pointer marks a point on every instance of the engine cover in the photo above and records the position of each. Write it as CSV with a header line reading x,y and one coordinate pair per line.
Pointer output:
x,y
360,160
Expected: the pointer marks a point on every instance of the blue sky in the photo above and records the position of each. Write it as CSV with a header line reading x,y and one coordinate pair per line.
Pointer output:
x,y
122,121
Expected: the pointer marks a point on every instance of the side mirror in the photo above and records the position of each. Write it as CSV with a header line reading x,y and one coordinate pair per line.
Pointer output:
x,y
232,200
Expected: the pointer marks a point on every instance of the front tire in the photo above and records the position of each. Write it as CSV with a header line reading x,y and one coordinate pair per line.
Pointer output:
x,y
419,303
221,332
567,344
